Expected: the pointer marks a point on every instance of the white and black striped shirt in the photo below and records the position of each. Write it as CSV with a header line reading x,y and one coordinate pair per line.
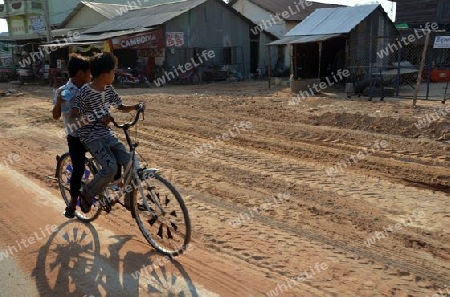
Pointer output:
x,y
93,104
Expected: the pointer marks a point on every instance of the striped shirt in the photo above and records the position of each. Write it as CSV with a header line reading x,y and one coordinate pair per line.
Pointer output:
x,y
94,105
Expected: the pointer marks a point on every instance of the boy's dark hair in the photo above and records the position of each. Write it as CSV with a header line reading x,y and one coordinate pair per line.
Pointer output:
x,y
103,63
77,62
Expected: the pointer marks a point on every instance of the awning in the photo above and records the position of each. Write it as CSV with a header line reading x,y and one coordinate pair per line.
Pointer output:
x,y
304,39
96,38
65,44
284,40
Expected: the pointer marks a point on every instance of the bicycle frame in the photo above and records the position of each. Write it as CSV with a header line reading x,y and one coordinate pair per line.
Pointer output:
x,y
130,169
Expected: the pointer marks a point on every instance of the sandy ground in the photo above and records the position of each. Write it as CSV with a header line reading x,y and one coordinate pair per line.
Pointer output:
x,y
269,218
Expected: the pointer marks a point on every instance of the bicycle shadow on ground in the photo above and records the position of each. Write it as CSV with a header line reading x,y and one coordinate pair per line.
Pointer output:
x,y
72,264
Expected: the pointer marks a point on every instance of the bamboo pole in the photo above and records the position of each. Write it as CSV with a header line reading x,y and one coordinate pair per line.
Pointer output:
x,y
422,65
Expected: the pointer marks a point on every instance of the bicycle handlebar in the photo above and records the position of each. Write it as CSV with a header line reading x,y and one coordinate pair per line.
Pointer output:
x,y
128,125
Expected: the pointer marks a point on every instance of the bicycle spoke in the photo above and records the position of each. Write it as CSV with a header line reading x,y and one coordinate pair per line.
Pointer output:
x,y
162,216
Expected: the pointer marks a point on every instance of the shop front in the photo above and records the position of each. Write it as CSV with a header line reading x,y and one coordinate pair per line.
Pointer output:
x,y
141,51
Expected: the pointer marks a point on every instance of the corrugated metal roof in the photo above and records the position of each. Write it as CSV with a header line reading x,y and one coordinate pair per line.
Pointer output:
x,y
107,10
64,31
314,38
146,17
297,11
284,40
303,39
333,20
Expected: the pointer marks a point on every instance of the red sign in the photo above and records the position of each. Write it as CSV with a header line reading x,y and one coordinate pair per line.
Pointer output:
x,y
175,39
153,39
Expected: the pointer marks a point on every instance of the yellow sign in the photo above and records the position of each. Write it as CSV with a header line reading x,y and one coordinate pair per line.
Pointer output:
x,y
102,46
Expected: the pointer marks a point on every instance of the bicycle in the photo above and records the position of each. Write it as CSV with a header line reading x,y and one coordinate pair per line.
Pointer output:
x,y
154,202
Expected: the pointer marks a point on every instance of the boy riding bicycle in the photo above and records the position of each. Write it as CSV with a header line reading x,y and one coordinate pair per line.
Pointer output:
x,y
79,72
92,105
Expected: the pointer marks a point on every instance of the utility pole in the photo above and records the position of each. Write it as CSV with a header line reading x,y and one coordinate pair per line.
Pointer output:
x,y
48,29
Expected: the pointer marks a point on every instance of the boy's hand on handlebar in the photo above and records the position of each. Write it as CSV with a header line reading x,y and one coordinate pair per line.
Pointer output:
x,y
140,106
107,119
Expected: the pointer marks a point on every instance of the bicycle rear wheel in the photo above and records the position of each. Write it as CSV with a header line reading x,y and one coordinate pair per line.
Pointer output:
x,y
161,215
64,174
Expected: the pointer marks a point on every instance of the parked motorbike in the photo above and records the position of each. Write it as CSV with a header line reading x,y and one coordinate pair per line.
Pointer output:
x,y
129,77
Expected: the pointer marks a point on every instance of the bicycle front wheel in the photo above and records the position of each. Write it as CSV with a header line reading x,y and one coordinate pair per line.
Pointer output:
x,y
64,174
161,215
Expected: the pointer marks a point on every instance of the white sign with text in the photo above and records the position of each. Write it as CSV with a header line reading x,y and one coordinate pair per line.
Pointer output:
x,y
442,42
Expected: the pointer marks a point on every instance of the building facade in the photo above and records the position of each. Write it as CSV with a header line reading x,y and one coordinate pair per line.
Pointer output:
x,y
417,13
263,12
22,16
166,36
26,17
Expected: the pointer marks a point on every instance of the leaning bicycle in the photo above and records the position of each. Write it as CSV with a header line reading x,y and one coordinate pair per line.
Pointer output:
x,y
154,202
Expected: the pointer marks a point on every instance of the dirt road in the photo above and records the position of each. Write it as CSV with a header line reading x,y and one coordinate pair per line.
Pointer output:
x,y
327,197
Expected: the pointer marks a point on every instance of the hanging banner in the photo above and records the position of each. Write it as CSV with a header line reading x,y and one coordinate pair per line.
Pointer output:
x,y
37,23
174,39
152,39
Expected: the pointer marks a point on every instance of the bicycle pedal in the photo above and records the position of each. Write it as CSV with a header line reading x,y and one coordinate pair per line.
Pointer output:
x,y
114,188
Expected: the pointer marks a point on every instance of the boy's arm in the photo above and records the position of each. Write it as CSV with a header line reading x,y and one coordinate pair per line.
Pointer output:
x,y
127,108
77,112
57,101
117,101
80,120
75,108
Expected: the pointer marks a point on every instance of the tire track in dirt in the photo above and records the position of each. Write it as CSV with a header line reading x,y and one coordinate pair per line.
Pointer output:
x,y
294,244
332,137
241,173
338,183
412,267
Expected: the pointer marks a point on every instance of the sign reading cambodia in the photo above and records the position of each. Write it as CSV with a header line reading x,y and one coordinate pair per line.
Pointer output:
x,y
442,42
151,39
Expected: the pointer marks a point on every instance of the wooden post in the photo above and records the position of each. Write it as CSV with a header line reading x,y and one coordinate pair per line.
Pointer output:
x,y
422,65
48,26
320,58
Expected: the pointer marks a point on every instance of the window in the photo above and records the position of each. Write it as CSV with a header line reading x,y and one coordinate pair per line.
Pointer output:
x,y
36,5
17,5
